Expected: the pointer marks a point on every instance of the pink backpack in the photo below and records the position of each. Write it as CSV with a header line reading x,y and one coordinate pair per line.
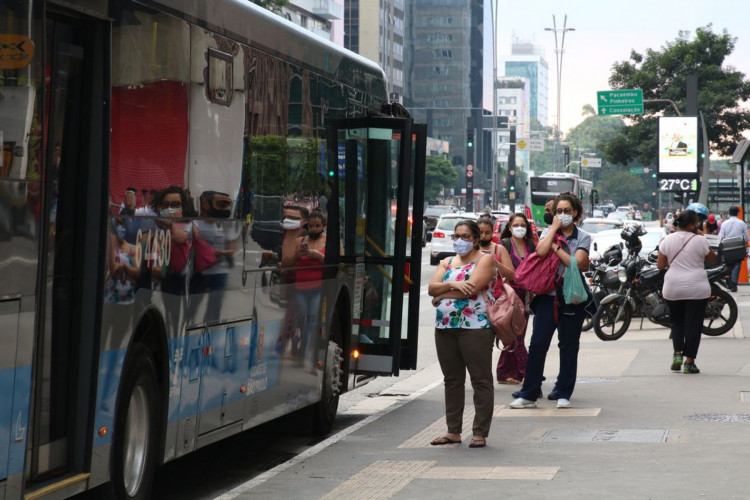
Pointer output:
x,y
539,275
507,316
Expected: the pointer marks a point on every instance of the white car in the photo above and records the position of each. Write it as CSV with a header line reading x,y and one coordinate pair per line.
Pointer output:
x,y
441,244
603,240
597,224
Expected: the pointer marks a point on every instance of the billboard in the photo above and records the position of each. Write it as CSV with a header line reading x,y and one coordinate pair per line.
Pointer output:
x,y
678,145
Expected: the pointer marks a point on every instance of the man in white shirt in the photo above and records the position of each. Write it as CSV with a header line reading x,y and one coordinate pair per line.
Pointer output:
x,y
734,227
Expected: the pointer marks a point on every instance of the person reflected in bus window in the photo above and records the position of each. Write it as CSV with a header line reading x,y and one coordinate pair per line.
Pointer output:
x,y
308,280
123,269
222,238
172,276
293,228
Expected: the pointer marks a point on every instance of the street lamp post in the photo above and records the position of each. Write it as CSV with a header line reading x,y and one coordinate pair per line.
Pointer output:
x,y
558,59
493,163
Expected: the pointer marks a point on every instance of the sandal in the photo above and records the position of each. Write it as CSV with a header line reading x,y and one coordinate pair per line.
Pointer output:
x,y
444,440
510,381
478,442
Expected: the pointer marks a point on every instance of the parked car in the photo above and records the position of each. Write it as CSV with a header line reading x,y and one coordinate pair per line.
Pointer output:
x,y
441,244
431,216
603,240
596,224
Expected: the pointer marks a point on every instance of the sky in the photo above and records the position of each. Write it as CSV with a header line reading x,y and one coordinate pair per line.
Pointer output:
x,y
605,33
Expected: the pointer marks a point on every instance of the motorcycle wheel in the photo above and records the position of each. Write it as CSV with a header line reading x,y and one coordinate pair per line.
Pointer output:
x,y
612,320
721,313
588,322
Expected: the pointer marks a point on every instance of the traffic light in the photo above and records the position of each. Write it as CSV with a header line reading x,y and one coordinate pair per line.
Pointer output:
x,y
469,139
653,175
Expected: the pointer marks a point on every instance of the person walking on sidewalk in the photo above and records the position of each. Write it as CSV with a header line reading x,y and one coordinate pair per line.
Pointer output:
x,y
686,287
551,313
518,240
463,333
730,228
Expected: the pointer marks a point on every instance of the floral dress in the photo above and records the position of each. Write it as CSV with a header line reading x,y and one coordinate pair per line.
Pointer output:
x,y
471,312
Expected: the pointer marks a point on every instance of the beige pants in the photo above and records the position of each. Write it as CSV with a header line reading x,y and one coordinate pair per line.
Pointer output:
x,y
459,350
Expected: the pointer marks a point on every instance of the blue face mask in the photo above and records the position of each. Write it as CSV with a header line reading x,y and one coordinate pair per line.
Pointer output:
x,y
463,247
120,232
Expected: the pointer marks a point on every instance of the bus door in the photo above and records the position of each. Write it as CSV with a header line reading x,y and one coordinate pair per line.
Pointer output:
x,y
373,160
73,234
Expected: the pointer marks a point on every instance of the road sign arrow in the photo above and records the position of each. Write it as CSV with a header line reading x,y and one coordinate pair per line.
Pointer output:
x,y
603,98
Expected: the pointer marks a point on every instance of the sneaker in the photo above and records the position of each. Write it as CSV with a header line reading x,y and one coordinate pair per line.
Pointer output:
x,y
690,368
563,403
517,394
522,403
677,363
553,395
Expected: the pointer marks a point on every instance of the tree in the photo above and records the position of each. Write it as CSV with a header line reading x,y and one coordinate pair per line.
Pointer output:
x,y
272,5
661,74
439,174
623,188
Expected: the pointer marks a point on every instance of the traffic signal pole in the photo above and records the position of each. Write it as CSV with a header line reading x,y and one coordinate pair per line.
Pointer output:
x,y
512,166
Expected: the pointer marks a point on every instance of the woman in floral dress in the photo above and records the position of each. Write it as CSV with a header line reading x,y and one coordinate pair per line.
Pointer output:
x,y
463,334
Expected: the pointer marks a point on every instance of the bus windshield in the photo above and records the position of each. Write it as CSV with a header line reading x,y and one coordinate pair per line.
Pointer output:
x,y
551,186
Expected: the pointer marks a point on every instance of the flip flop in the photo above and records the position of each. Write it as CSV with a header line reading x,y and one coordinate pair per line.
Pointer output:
x,y
444,440
478,443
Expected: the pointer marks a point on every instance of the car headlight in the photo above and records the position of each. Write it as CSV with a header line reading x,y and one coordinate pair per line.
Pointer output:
x,y
622,275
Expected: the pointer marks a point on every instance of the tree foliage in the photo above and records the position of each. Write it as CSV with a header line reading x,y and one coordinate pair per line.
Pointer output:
x,y
439,174
272,5
623,188
661,74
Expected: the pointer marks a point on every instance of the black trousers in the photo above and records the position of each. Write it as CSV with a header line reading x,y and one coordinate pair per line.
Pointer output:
x,y
687,321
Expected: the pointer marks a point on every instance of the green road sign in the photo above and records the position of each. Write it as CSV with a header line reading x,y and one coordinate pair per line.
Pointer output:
x,y
636,170
620,102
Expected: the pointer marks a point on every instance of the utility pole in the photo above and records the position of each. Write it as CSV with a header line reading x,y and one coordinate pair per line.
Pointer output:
x,y
558,59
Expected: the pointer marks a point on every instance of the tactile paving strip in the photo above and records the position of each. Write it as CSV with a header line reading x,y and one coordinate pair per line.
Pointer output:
x,y
381,479
523,473
720,417
606,436
423,438
504,411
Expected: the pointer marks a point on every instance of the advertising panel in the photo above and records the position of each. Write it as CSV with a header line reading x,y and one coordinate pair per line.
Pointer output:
x,y
678,146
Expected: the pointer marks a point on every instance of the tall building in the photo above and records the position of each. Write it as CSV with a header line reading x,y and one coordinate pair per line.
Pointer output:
x,y
314,15
527,61
513,101
375,30
443,72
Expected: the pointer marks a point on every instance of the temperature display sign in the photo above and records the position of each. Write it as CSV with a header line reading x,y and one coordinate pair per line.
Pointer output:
x,y
678,184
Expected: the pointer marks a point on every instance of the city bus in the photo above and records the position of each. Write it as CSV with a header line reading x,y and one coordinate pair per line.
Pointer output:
x,y
167,170
550,184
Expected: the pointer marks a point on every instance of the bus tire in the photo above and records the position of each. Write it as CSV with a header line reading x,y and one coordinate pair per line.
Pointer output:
x,y
136,439
324,412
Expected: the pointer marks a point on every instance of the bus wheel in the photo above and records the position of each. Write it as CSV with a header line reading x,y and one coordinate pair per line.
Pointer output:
x,y
325,410
134,451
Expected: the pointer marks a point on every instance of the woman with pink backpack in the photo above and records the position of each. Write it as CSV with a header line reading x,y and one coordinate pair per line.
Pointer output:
x,y
565,242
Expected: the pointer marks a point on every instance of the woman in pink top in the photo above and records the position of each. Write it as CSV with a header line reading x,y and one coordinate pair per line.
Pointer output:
x,y
686,287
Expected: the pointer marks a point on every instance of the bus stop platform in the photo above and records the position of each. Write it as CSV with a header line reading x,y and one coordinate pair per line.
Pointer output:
x,y
635,430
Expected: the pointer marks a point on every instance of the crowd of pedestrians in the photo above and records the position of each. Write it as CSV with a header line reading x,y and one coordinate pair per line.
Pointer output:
x,y
465,287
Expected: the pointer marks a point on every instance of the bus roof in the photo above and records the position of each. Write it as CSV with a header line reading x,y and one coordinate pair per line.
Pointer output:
x,y
560,175
231,17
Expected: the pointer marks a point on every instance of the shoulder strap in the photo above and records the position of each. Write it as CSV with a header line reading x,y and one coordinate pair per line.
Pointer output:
x,y
506,244
681,249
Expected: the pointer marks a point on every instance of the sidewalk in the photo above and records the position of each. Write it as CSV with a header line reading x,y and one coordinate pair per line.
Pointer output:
x,y
636,430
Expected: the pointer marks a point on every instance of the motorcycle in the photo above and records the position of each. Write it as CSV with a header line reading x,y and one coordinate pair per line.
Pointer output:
x,y
602,280
640,295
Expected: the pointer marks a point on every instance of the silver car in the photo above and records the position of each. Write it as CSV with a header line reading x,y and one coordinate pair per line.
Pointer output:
x,y
441,244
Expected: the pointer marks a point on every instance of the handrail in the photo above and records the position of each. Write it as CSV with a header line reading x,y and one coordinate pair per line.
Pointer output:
x,y
381,253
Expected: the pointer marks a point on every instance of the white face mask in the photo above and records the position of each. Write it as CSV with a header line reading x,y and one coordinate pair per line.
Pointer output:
x,y
519,232
566,219
291,224
167,212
